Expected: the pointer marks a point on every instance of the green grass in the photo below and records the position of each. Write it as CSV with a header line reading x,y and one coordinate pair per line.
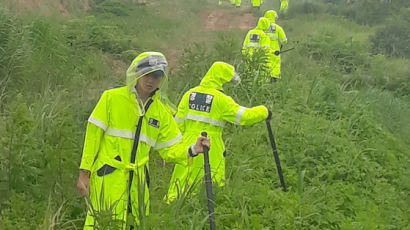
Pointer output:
x,y
340,117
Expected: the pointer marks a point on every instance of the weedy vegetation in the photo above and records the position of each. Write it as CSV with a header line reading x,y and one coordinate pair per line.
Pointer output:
x,y
341,113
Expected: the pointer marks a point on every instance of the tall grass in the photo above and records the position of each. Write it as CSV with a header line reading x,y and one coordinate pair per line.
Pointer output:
x,y
340,118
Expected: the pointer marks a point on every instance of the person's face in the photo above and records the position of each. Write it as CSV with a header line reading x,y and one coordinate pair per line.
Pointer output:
x,y
148,83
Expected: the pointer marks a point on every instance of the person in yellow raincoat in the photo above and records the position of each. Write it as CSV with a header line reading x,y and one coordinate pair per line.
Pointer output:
x,y
256,38
256,3
277,38
126,123
284,6
206,107
257,42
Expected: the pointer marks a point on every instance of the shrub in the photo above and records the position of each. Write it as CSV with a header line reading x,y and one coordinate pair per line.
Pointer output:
x,y
393,39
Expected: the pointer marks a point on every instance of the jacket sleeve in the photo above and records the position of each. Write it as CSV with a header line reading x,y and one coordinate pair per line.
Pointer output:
x,y
240,115
170,143
97,124
282,36
182,111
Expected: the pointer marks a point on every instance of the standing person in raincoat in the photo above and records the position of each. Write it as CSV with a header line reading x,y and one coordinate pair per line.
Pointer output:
x,y
256,38
207,108
277,38
257,42
284,6
256,3
126,123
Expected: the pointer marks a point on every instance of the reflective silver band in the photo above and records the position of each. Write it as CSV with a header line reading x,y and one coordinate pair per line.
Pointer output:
x,y
130,135
253,45
149,141
97,122
168,143
179,120
120,133
239,115
205,119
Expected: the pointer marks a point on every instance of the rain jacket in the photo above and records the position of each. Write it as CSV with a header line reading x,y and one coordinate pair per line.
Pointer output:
x,y
207,108
256,3
284,6
256,38
119,124
277,38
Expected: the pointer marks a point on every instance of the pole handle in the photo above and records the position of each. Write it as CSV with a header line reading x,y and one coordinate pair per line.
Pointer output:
x,y
206,149
208,184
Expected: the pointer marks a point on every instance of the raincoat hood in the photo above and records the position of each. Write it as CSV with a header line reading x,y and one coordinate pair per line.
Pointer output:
x,y
219,74
263,24
144,64
271,15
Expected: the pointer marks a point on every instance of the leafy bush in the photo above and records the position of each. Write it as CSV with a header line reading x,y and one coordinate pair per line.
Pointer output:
x,y
344,53
306,7
393,39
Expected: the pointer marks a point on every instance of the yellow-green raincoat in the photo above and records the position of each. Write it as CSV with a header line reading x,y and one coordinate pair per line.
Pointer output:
x,y
119,180
207,108
277,38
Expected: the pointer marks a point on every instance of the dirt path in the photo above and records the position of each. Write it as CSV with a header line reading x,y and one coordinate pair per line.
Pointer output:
x,y
227,19
45,6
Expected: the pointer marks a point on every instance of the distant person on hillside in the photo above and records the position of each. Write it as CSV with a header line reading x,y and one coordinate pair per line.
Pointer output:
x,y
256,3
277,39
284,4
256,45
256,38
207,108
126,123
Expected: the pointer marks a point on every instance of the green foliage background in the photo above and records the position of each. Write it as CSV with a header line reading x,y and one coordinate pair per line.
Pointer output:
x,y
341,113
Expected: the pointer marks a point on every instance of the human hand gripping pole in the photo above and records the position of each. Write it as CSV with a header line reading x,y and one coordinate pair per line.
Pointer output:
x,y
277,52
275,152
208,184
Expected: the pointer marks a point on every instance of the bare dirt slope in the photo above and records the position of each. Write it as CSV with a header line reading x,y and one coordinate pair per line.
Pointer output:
x,y
227,19
47,6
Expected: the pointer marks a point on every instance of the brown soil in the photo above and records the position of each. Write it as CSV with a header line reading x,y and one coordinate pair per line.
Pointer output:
x,y
227,19
44,6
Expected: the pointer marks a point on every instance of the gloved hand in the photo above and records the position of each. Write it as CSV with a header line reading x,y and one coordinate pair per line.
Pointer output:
x,y
277,52
269,115
273,80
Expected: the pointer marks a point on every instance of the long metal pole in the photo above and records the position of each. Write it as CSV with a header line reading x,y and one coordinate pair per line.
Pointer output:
x,y
208,183
275,154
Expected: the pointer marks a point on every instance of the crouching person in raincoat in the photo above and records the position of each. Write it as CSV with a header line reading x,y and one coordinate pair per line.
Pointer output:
x,y
207,108
126,123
